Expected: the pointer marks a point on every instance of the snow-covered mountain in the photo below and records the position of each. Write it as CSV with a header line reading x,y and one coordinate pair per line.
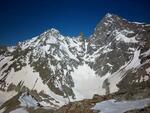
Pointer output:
x,y
57,69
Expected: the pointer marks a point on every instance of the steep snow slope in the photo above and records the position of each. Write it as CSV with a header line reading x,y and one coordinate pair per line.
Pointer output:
x,y
42,65
56,69
84,79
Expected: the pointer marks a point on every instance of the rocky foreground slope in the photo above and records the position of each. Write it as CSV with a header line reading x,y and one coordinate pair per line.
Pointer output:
x,y
53,70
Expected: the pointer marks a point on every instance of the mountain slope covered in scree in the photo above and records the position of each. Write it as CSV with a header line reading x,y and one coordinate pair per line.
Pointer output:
x,y
54,70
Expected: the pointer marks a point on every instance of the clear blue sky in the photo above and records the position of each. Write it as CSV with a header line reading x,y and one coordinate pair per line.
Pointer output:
x,y
23,19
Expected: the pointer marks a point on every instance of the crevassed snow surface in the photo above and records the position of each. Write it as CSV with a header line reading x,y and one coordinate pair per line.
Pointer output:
x,y
113,106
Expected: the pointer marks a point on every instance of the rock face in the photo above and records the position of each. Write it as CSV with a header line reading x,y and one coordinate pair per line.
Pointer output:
x,y
122,52
57,69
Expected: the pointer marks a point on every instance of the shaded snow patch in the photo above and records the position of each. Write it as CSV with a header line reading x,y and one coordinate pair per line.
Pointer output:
x,y
113,106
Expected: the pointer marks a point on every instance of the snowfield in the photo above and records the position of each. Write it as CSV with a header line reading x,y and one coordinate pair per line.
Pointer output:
x,y
86,82
113,106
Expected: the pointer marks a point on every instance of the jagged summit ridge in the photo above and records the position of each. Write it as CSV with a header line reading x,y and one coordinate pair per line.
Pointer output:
x,y
57,69
110,15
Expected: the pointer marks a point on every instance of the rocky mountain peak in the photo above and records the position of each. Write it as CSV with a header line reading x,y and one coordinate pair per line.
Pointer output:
x,y
56,69
52,31
111,16
110,20
112,25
